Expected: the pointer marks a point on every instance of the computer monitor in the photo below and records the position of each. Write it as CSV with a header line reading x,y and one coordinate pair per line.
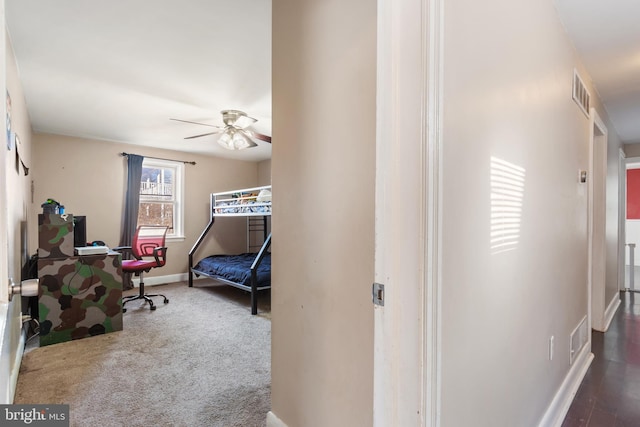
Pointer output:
x,y
79,231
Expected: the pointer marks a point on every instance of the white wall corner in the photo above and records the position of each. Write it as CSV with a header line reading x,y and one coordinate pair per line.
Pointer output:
x,y
557,410
611,311
274,421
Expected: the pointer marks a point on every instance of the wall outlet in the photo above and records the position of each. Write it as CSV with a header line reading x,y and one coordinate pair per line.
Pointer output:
x,y
551,348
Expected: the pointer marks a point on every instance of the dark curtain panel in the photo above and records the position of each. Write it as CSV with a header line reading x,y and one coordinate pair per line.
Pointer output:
x,y
131,207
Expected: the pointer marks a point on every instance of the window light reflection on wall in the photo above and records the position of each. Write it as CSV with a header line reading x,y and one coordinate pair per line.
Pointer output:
x,y
507,193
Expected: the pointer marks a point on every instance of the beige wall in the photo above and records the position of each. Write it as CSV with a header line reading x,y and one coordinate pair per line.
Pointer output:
x,y
632,150
508,69
17,182
88,177
323,188
14,200
264,172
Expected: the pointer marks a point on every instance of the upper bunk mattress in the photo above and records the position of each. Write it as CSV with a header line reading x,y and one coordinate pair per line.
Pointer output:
x,y
236,268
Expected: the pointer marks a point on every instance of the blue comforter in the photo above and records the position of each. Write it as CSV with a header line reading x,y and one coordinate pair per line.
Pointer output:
x,y
236,268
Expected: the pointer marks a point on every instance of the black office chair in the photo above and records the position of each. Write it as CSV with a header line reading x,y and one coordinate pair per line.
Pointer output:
x,y
149,250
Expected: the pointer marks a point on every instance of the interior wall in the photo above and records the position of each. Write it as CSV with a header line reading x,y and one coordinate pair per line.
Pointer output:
x,y
508,108
631,150
13,212
17,183
88,178
323,202
264,172
6,321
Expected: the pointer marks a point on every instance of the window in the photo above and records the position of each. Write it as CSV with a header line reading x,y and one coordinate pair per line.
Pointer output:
x,y
161,195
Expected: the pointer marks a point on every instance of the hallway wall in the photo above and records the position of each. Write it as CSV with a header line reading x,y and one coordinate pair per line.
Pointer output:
x,y
509,116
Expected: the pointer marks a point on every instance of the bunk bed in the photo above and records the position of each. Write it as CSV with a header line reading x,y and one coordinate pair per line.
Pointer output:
x,y
250,271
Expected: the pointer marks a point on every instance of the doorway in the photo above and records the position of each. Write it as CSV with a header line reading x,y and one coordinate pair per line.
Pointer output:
x,y
632,224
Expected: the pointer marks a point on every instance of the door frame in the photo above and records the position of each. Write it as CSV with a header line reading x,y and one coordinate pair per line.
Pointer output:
x,y
407,337
598,144
622,217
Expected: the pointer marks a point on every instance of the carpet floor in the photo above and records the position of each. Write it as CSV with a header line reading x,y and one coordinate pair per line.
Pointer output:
x,y
201,360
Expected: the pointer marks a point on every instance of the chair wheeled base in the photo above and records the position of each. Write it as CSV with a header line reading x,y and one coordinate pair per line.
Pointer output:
x,y
142,295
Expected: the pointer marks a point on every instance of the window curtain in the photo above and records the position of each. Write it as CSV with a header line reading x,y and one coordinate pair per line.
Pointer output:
x,y
131,207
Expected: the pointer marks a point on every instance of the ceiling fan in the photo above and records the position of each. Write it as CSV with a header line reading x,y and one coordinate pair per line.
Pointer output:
x,y
236,134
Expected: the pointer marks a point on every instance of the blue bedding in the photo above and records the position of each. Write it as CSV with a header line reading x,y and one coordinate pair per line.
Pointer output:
x,y
236,268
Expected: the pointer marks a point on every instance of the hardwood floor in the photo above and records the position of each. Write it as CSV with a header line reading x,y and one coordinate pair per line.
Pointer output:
x,y
609,395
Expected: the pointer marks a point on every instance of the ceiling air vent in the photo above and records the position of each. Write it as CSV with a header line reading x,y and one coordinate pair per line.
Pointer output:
x,y
580,94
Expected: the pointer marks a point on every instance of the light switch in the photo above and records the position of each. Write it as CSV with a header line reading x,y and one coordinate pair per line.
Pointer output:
x,y
583,176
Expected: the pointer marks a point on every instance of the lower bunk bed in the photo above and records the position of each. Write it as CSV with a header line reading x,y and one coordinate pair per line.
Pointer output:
x,y
250,272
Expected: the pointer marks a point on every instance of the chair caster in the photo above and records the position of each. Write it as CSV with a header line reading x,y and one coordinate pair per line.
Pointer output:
x,y
166,301
124,310
153,307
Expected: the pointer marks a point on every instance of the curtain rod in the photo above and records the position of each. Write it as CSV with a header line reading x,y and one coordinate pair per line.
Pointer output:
x,y
160,158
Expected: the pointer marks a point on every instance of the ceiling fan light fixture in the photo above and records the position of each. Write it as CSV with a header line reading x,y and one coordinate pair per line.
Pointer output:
x,y
226,140
240,141
231,139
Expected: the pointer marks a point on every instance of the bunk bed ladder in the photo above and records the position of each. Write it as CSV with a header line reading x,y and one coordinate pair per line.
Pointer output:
x,y
256,232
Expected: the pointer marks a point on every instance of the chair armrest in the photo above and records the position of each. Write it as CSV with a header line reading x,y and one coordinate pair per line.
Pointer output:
x,y
121,248
160,251
124,250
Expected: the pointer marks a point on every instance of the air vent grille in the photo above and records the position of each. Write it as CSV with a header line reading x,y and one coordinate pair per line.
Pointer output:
x,y
580,94
579,338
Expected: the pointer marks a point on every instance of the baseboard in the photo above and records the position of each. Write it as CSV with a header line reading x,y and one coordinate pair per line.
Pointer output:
x,y
557,410
11,348
611,311
15,371
161,280
274,421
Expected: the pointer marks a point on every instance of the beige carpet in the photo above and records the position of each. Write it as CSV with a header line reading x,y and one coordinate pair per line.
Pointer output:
x,y
201,360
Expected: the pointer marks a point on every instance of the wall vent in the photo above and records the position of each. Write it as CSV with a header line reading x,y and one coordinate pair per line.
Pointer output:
x,y
580,93
579,338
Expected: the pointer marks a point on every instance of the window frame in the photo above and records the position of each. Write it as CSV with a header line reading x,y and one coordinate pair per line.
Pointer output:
x,y
178,194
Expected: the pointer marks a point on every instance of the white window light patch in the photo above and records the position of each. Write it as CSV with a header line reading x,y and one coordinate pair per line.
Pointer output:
x,y
580,93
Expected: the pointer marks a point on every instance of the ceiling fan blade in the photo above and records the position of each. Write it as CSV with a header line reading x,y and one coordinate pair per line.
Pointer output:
x,y
203,134
196,123
261,137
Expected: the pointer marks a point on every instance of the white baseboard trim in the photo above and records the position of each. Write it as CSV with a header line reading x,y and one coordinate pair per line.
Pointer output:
x,y
557,410
274,421
11,348
16,366
611,311
161,280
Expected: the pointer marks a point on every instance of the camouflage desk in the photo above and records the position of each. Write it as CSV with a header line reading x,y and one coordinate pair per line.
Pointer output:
x,y
79,296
